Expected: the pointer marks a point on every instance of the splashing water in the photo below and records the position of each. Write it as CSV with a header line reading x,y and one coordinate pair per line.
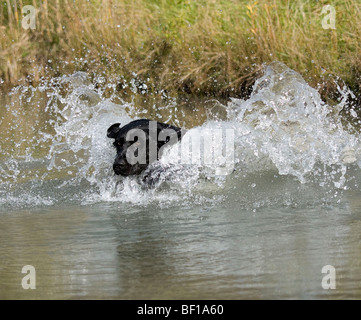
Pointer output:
x,y
286,122
287,141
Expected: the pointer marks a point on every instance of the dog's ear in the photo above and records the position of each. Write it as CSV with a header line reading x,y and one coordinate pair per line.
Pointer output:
x,y
113,130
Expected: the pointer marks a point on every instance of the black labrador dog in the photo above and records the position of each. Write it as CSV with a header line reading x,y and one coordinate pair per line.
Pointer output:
x,y
140,143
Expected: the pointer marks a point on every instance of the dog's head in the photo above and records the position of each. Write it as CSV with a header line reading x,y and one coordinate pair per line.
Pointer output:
x,y
121,166
139,143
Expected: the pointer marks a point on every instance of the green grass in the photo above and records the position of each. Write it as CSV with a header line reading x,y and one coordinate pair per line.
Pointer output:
x,y
200,47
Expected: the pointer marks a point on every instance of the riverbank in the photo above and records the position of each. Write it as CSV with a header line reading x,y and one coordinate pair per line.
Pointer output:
x,y
200,47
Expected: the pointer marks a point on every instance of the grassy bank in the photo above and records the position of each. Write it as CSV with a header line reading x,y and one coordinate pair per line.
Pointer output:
x,y
199,47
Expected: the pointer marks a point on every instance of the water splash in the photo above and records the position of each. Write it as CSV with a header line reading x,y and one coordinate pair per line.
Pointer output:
x,y
285,139
286,122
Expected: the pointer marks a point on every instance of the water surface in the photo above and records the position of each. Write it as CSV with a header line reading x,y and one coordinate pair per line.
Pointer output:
x,y
265,231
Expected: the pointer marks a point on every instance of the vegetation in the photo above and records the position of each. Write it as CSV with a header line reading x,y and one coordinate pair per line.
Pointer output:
x,y
201,46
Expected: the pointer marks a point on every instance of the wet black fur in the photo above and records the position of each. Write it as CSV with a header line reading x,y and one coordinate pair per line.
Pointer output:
x,y
121,166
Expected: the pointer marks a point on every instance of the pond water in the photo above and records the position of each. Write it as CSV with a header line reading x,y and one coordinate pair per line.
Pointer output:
x,y
284,223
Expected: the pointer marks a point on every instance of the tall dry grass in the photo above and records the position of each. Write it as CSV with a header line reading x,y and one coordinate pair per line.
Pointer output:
x,y
203,46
